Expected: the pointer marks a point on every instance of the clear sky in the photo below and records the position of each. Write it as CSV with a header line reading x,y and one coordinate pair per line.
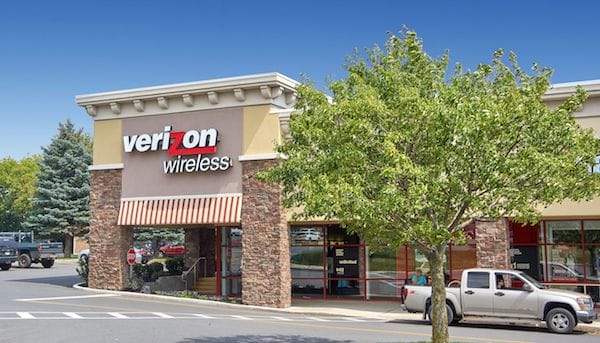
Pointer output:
x,y
51,51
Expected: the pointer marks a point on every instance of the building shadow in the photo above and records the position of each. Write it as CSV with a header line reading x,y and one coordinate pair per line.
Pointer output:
x,y
64,281
262,338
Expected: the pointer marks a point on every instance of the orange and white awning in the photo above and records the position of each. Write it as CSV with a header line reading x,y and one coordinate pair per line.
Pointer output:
x,y
181,210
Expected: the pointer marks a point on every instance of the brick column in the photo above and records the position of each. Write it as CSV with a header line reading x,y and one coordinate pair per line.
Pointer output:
x,y
192,247
109,242
266,275
491,239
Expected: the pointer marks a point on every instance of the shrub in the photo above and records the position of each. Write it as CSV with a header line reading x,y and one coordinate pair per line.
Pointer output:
x,y
133,284
175,265
83,269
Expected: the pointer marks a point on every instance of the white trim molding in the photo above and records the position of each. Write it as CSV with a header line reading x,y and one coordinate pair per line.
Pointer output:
x,y
106,166
258,157
175,197
261,89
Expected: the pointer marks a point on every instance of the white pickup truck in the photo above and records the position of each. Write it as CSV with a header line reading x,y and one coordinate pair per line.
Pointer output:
x,y
508,296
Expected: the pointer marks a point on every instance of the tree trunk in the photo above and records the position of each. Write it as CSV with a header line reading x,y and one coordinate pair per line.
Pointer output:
x,y
68,248
439,322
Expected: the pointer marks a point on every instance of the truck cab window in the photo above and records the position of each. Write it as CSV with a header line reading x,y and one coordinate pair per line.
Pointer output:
x,y
478,280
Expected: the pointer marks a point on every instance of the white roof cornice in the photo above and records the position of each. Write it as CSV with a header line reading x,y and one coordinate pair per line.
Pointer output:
x,y
561,91
259,89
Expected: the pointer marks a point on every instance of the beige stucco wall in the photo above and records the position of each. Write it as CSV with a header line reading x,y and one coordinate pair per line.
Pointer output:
x,y
107,141
572,209
261,130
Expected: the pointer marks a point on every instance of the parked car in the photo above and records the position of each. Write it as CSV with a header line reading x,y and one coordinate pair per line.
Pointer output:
x,y
31,251
140,255
171,250
8,253
508,295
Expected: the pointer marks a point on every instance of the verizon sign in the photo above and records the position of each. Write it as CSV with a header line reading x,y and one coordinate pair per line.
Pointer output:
x,y
190,147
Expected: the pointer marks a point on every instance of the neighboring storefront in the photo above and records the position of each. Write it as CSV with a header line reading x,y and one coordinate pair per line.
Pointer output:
x,y
186,156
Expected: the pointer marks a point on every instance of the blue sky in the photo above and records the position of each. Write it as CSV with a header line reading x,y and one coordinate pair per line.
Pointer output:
x,y
51,51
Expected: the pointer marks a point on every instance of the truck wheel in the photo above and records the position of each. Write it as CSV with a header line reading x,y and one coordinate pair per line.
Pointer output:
x,y
449,313
560,320
47,263
24,261
5,266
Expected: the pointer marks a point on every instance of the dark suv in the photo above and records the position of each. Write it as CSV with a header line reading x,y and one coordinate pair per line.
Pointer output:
x,y
8,253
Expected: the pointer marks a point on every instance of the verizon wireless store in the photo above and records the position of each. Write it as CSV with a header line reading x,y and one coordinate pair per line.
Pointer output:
x,y
186,156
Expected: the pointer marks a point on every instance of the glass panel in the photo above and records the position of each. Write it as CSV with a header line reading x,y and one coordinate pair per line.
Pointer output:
x,y
337,235
526,259
419,262
231,287
231,236
379,289
307,262
478,280
307,288
306,235
563,232
592,261
381,263
509,281
231,252
345,289
565,264
591,231
594,292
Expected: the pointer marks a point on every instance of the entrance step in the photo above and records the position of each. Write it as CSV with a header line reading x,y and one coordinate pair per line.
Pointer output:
x,y
206,285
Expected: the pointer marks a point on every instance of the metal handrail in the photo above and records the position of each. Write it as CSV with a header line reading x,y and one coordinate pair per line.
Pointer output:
x,y
194,271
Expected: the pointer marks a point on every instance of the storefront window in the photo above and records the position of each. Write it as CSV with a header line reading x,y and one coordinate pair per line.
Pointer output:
x,y
592,264
563,232
307,288
565,264
591,232
307,262
594,292
382,274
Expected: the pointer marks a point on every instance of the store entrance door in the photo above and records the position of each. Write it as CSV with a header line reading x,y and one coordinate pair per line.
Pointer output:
x,y
343,270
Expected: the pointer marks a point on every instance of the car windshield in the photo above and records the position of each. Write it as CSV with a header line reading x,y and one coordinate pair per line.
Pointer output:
x,y
531,280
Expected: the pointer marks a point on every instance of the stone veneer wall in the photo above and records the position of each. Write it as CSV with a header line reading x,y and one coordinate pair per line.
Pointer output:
x,y
266,275
109,242
192,247
492,244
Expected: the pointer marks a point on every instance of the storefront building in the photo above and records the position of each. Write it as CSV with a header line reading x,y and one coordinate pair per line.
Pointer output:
x,y
186,156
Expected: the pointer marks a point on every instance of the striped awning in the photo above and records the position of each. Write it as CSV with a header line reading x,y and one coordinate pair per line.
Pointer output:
x,y
181,210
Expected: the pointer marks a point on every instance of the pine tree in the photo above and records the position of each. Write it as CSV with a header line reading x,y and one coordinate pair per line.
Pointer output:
x,y
61,203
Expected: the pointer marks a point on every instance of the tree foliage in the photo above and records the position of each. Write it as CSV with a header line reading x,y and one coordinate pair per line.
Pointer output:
x,y
405,151
61,206
17,187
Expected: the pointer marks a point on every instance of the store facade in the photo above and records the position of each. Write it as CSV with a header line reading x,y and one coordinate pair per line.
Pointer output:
x,y
186,156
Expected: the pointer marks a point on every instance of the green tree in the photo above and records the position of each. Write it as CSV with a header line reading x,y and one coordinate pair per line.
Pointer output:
x,y
61,203
405,152
17,187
